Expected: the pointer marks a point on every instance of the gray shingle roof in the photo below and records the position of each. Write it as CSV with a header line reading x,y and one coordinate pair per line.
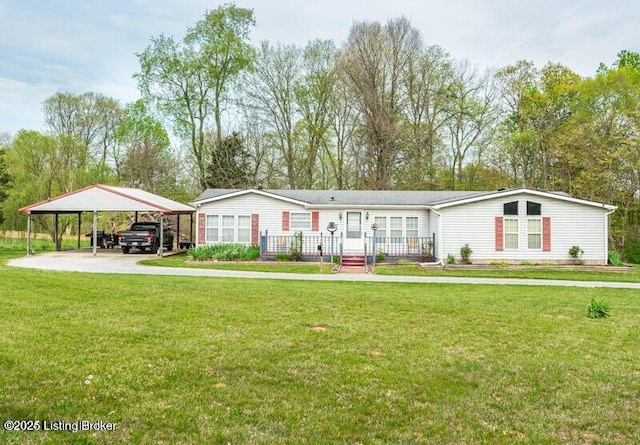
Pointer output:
x,y
358,197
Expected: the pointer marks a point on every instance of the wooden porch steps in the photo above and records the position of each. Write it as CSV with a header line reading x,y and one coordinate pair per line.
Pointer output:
x,y
353,260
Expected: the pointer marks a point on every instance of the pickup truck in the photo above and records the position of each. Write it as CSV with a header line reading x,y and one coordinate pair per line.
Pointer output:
x,y
145,236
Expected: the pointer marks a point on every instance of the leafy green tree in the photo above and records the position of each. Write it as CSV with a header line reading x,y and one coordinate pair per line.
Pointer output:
x,y
86,123
41,167
189,81
4,175
147,161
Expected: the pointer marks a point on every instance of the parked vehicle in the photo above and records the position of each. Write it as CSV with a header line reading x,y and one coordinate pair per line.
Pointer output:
x,y
145,236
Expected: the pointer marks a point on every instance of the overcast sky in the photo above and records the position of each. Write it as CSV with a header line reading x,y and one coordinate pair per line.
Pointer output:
x,y
89,45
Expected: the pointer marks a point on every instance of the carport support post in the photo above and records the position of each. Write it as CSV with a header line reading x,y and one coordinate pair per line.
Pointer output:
x,y
178,237
161,236
56,235
29,234
94,235
79,228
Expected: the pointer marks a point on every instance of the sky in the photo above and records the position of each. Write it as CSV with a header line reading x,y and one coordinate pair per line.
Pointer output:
x,y
90,45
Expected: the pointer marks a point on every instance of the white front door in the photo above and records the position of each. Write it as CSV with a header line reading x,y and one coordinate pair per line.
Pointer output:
x,y
353,232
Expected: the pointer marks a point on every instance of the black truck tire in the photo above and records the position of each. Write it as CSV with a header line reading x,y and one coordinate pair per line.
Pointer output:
x,y
125,249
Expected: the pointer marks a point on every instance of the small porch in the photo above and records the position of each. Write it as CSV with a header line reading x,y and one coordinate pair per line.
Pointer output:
x,y
371,249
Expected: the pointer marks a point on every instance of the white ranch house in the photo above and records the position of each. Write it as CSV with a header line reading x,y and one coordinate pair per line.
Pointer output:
x,y
515,225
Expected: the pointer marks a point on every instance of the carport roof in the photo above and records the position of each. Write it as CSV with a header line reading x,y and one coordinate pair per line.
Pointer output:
x,y
107,198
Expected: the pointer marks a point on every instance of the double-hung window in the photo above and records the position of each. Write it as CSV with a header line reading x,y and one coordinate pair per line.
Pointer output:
x,y
213,222
511,234
534,233
228,228
395,226
244,228
300,221
534,225
381,232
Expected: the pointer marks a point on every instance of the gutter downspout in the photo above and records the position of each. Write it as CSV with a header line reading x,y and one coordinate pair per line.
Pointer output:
x,y
441,261
606,236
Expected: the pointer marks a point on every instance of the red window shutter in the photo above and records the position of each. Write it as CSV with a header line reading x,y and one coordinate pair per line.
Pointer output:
x,y
315,221
255,219
546,234
201,229
285,221
499,234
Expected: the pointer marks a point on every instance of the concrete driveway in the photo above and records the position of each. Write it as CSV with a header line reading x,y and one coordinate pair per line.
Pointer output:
x,y
115,262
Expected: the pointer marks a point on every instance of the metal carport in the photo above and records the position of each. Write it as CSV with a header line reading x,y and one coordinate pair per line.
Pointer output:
x,y
106,198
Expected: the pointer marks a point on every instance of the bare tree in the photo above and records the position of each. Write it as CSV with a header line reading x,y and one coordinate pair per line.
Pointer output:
x,y
471,122
373,60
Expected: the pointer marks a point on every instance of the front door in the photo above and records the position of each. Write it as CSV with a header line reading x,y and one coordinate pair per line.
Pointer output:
x,y
353,233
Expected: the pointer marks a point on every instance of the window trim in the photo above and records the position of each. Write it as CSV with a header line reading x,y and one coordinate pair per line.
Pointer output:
x,y
505,233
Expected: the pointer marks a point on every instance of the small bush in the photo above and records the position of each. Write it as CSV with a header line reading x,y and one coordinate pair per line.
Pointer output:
x,y
281,256
598,308
614,258
576,253
380,257
465,254
451,258
428,251
295,250
225,252
526,263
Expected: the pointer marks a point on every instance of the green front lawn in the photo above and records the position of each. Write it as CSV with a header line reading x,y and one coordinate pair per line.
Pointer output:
x,y
499,272
205,360
181,260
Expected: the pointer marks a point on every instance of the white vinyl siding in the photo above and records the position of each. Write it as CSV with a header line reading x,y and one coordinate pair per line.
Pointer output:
x,y
511,233
300,221
244,228
571,223
213,222
534,233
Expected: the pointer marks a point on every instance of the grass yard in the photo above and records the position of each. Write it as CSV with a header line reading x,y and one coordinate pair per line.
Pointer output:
x,y
577,275
204,360
180,260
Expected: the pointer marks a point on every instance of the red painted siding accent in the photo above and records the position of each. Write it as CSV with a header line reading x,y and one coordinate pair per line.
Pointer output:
x,y
315,221
546,234
499,234
285,221
201,229
255,219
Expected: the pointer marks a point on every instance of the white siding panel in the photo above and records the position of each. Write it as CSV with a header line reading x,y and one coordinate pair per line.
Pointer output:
x,y
269,209
571,224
